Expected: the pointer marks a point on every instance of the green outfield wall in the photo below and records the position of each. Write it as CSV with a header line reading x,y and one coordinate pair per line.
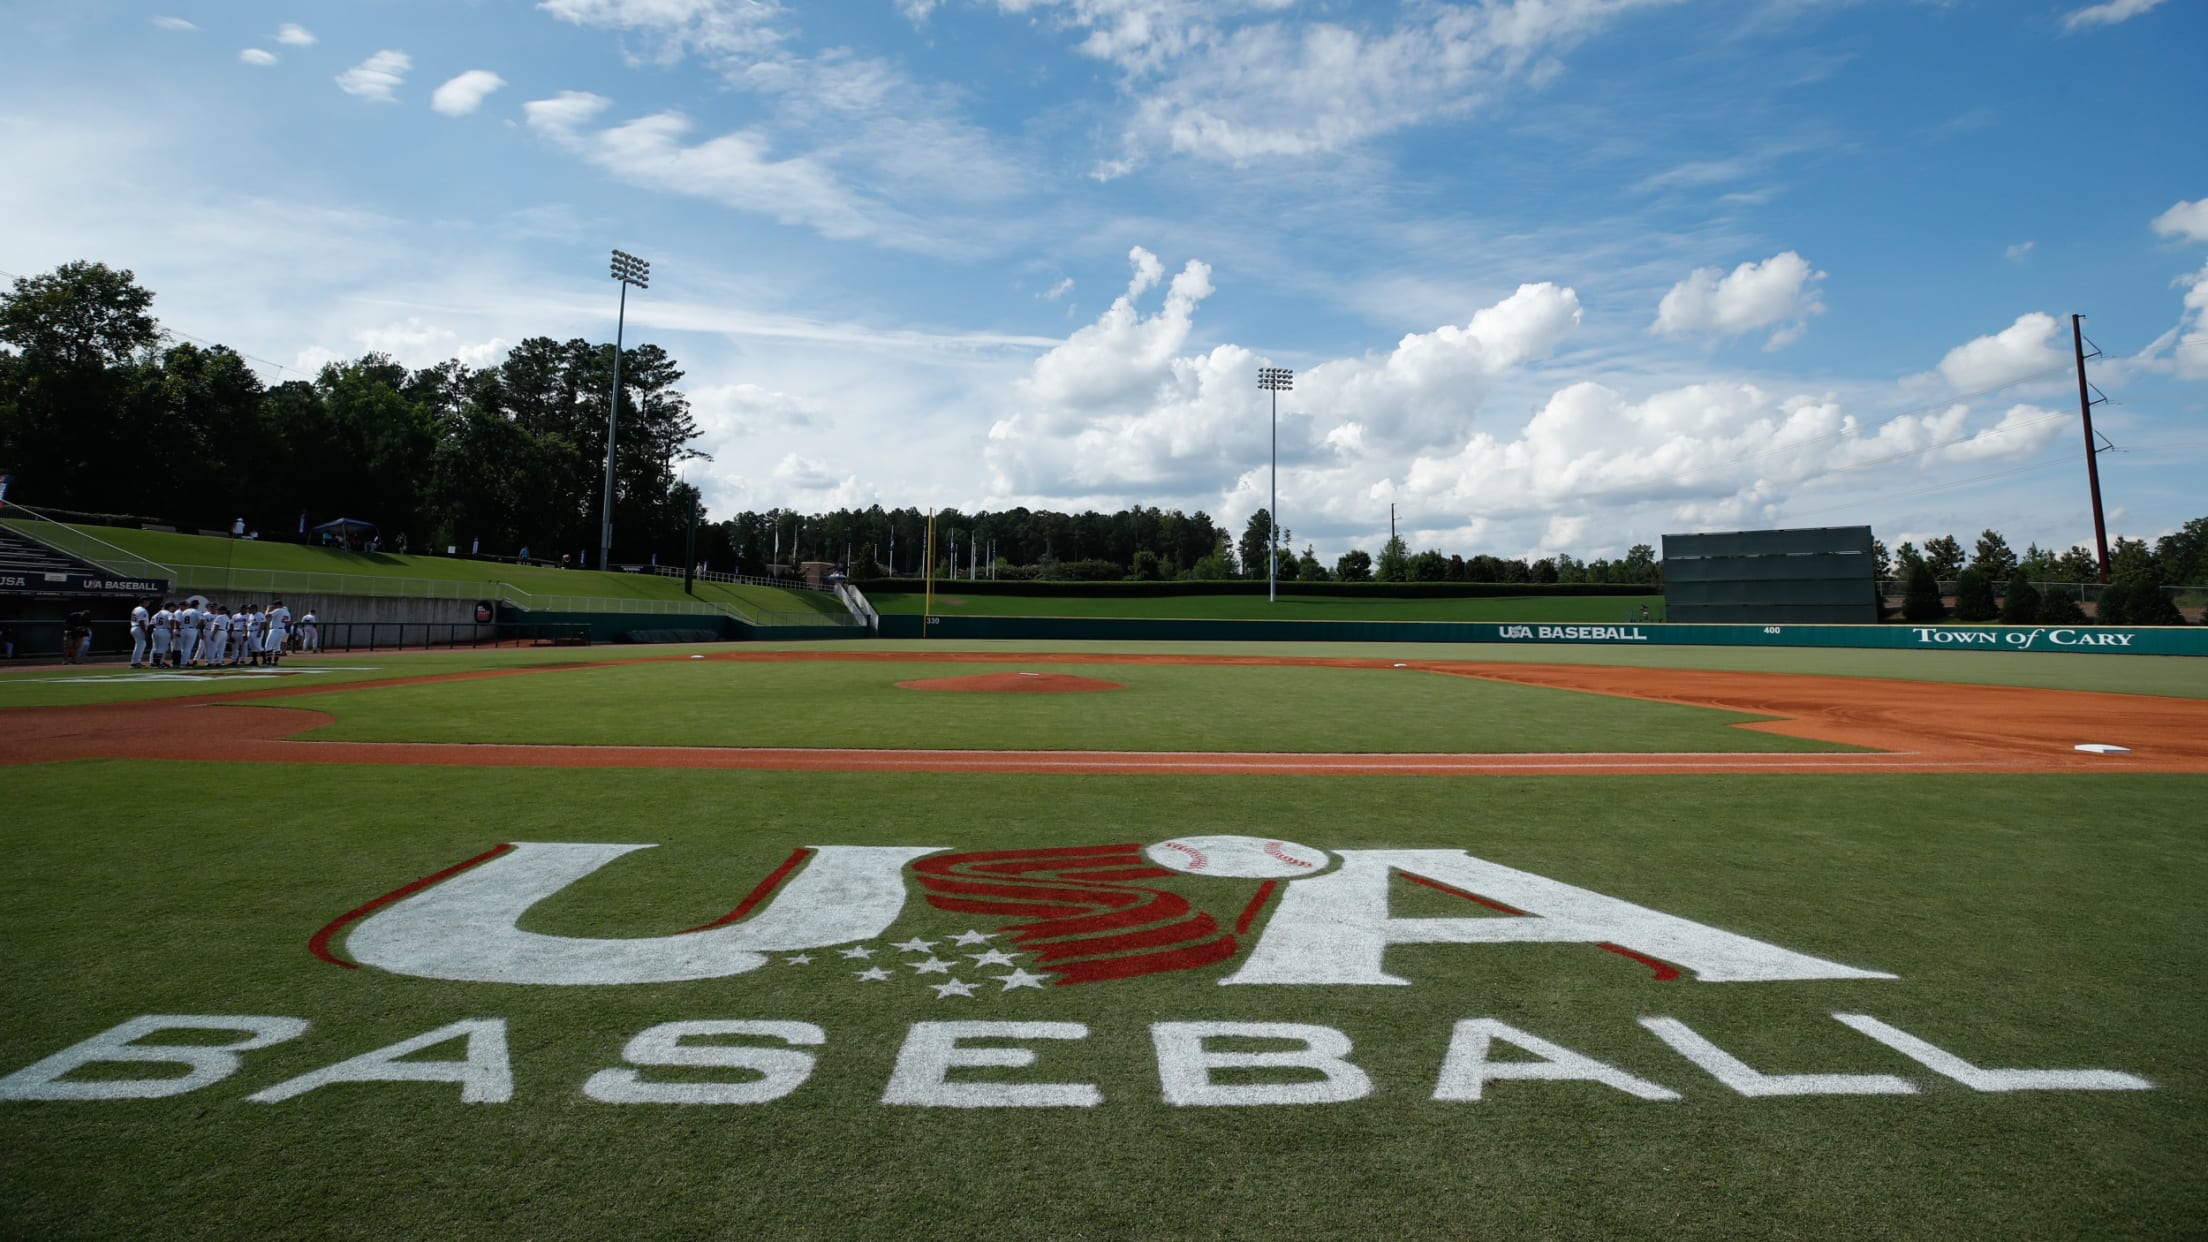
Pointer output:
x,y
2119,640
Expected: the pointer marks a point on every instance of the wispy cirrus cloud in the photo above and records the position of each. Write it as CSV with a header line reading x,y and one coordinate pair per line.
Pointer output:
x,y
1235,81
256,56
292,34
378,77
172,23
2108,14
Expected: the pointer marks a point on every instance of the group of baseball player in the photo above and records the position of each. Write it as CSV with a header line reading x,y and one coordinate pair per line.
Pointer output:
x,y
186,635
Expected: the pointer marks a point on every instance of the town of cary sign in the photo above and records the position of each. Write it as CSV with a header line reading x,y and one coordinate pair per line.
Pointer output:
x,y
1060,917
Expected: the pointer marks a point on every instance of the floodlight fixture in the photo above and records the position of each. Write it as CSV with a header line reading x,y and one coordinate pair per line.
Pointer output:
x,y
1275,380
628,270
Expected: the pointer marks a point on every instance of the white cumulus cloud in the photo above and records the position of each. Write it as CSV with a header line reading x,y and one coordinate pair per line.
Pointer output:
x,y
257,56
1780,290
2188,220
1122,408
292,34
377,77
2108,14
2192,342
2028,347
465,93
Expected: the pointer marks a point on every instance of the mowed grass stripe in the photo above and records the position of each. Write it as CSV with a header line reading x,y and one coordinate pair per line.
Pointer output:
x,y
2042,921
1179,708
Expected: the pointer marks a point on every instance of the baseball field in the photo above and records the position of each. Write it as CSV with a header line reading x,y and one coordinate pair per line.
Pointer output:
x,y
882,939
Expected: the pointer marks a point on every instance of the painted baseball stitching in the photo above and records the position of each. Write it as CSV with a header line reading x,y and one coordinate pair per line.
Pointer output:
x,y
1197,860
1273,849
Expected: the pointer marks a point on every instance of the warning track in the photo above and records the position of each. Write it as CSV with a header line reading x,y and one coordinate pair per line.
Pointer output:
x,y
1912,727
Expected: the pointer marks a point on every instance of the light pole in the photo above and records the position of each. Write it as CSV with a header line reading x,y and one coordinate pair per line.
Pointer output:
x,y
1274,380
629,270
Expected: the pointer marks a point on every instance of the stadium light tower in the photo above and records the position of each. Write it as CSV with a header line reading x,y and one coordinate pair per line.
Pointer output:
x,y
1274,380
629,270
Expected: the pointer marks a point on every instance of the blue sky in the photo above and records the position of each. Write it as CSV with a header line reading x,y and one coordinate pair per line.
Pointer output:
x,y
1554,275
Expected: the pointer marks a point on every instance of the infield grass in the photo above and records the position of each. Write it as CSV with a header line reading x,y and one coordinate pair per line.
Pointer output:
x,y
2035,921
1160,708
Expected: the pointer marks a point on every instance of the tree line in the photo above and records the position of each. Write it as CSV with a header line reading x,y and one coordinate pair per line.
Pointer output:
x,y
102,412
1995,583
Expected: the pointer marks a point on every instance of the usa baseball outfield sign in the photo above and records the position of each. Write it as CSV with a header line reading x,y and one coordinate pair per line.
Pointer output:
x,y
1289,916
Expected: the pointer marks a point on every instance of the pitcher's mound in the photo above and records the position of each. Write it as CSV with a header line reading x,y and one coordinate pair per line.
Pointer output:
x,y
1013,683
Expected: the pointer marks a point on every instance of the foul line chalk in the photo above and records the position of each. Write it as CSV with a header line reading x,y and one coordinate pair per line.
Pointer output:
x,y
2101,748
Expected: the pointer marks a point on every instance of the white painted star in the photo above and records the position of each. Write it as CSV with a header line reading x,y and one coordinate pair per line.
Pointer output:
x,y
994,957
802,959
915,945
933,966
970,936
858,951
872,974
953,987
1021,979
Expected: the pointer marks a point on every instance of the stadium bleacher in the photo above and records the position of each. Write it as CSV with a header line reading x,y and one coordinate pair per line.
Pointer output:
x,y
21,555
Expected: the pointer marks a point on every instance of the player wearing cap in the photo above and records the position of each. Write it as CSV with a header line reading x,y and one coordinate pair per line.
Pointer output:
x,y
163,622
140,621
279,629
187,634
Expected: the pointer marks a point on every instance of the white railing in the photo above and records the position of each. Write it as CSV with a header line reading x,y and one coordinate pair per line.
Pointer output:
x,y
237,579
787,584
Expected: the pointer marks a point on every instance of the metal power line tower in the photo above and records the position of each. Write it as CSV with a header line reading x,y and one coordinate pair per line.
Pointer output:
x,y
2087,395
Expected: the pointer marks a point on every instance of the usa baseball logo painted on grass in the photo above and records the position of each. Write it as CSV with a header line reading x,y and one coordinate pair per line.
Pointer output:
x,y
1300,916
1064,917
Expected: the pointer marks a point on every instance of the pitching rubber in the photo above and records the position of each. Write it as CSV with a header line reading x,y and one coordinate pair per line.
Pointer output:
x,y
1240,858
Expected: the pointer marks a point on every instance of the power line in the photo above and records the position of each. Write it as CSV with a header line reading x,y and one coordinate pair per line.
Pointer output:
x,y
203,341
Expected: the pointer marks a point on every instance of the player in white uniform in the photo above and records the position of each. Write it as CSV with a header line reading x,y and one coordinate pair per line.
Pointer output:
x,y
187,634
310,633
217,642
140,621
240,626
279,629
162,620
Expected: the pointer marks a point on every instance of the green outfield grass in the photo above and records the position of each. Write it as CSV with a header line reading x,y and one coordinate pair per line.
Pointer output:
x,y
2042,922
949,601
2170,676
1161,708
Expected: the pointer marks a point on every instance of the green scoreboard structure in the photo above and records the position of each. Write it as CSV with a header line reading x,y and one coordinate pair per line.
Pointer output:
x,y
1821,575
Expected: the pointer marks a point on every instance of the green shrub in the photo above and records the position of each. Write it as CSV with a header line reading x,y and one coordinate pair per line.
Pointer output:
x,y
2060,608
1920,595
2021,604
1974,596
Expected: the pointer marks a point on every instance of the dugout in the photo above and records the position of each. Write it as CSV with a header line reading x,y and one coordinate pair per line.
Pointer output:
x,y
1823,575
